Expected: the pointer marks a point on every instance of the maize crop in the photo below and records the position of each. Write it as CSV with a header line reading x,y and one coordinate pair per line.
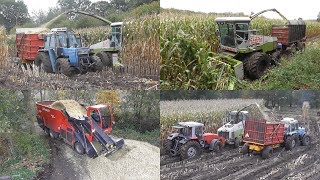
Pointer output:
x,y
3,47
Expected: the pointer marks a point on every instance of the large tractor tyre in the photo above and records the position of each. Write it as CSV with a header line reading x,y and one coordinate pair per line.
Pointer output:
x,y
106,58
46,131
217,147
236,143
266,152
53,134
63,67
245,149
256,64
168,147
78,148
43,62
276,57
97,66
306,140
290,143
190,150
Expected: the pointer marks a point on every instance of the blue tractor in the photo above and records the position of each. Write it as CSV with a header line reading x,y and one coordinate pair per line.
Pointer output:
x,y
294,134
63,54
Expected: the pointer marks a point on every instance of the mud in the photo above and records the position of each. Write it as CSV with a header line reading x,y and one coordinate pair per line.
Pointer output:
x,y
303,162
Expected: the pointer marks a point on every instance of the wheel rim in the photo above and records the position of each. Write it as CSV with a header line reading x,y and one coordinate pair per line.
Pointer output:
x,y
307,140
51,134
192,152
78,148
293,143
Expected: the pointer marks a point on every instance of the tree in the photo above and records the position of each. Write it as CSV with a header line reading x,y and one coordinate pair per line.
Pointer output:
x,y
13,13
74,4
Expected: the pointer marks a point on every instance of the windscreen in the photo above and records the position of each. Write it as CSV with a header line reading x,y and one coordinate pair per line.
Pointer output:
x,y
227,34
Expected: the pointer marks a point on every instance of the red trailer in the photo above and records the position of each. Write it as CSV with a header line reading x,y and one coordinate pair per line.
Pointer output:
x,y
262,136
82,131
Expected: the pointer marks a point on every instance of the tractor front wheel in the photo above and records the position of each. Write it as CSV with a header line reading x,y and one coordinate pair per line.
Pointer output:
x,y
168,147
245,149
53,134
256,64
236,143
266,152
63,67
217,147
79,148
97,64
106,58
190,150
306,140
290,143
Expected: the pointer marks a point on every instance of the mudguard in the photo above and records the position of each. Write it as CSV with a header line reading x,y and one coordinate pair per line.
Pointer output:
x,y
183,141
172,136
213,143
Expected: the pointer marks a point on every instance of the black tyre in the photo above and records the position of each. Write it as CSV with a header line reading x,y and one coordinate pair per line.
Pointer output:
x,y
275,57
78,148
290,143
168,147
256,64
190,150
266,152
46,131
106,58
245,149
53,134
63,67
306,139
43,62
236,143
97,66
217,146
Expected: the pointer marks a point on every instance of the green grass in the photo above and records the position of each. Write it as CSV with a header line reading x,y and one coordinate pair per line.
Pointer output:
x,y
302,71
151,137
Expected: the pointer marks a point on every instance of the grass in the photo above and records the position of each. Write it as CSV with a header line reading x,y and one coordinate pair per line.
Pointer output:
x,y
299,72
151,137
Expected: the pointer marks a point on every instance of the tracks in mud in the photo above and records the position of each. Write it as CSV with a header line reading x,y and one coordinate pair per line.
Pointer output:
x,y
303,162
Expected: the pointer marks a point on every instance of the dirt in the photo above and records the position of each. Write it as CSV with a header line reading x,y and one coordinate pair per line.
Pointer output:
x,y
303,162
14,78
136,160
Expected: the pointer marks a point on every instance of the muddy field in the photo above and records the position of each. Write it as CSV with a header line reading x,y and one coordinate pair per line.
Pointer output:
x,y
300,163
15,78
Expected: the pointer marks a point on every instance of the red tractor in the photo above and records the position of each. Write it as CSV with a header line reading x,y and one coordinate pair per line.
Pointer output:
x,y
87,134
189,140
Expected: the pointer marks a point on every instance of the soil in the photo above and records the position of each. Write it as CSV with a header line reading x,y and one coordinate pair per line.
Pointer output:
x,y
15,78
303,162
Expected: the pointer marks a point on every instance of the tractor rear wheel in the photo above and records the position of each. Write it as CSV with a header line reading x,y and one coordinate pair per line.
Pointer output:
x,y
256,64
43,62
306,140
290,143
168,147
63,67
190,150
97,66
106,58
267,152
245,149
79,148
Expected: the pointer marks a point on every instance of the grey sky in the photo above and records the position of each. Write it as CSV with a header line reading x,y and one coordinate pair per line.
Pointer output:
x,y
292,9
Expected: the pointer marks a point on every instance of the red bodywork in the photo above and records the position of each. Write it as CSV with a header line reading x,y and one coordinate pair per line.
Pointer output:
x,y
28,46
288,34
263,132
208,137
56,120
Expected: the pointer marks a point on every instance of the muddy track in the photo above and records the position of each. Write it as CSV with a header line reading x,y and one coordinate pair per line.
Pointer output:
x,y
303,162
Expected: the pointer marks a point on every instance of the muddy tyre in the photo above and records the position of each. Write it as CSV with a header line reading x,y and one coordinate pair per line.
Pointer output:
x,y
236,143
217,147
168,147
63,67
43,62
256,64
266,152
97,66
106,58
53,134
78,148
190,150
290,143
245,149
306,140
46,131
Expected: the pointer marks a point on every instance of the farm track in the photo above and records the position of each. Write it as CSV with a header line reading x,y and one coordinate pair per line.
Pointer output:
x,y
300,163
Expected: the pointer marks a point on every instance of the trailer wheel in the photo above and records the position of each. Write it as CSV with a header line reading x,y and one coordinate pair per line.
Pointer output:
x,y
290,143
267,152
306,140
63,67
106,58
78,148
190,150
245,149
43,62
256,64
97,66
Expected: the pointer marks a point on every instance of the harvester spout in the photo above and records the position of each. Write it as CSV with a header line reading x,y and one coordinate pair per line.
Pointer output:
x,y
274,10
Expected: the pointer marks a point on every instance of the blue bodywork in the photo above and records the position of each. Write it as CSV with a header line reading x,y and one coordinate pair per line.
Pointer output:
x,y
300,131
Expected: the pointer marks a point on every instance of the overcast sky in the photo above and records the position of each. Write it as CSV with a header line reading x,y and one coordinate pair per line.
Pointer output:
x,y
36,5
292,9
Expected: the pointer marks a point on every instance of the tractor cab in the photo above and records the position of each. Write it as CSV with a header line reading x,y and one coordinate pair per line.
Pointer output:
x,y
102,114
115,36
62,38
291,126
190,130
